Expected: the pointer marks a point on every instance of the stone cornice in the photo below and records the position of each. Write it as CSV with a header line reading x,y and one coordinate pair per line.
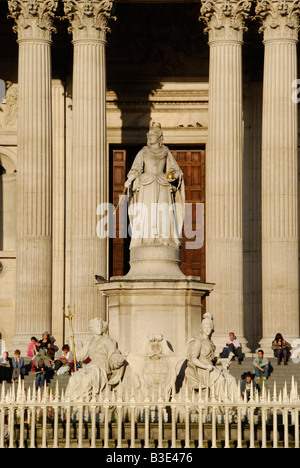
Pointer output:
x,y
89,18
34,18
280,19
225,19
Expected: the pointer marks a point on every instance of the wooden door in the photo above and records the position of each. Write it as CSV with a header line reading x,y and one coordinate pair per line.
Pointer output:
x,y
192,163
118,244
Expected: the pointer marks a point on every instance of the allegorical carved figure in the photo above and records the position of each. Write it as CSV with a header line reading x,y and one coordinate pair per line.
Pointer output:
x,y
11,108
106,364
201,370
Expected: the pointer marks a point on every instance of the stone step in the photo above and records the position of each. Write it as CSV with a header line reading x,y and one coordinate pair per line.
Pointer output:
x,y
153,444
29,381
279,374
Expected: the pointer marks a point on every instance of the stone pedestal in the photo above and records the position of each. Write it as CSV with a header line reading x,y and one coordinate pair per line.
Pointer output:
x,y
138,308
155,262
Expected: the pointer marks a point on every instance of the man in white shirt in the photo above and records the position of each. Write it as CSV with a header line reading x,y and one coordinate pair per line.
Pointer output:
x,y
232,346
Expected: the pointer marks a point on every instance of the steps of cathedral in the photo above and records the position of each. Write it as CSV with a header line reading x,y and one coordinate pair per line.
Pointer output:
x,y
280,374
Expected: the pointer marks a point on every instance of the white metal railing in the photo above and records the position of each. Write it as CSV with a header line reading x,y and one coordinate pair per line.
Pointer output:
x,y
26,417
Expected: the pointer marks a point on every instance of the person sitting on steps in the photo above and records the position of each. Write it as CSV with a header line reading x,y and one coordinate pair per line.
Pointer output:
x,y
261,365
281,349
232,346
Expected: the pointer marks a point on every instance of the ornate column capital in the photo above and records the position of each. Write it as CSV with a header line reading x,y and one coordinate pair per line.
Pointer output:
x,y
225,19
34,18
89,18
279,18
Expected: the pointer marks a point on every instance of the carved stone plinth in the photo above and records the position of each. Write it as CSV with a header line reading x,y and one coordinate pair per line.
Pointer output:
x,y
170,307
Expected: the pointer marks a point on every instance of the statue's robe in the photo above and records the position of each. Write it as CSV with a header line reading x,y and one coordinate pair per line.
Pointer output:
x,y
156,206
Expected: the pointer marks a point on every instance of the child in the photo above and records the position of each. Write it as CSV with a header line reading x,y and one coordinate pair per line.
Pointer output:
x,y
246,386
32,348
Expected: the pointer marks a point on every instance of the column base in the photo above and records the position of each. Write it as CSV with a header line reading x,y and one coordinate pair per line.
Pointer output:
x,y
266,344
21,342
220,340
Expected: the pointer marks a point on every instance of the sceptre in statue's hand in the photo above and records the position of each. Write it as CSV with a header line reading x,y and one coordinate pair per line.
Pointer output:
x,y
70,318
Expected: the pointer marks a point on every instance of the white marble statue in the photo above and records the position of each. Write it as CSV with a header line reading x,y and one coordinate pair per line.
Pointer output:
x,y
155,367
106,364
201,369
156,195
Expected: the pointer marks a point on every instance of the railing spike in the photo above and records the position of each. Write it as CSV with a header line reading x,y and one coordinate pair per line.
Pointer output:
x,y
275,392
56,391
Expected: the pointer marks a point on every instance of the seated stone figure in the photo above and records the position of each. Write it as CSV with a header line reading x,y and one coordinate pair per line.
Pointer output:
x,y
106,364
201,370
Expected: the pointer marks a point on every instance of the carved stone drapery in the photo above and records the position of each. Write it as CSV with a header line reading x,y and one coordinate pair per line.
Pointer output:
x,y
34,18
225,19
88,18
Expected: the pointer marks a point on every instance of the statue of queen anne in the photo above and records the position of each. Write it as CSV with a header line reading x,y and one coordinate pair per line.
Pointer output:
x,y
156,195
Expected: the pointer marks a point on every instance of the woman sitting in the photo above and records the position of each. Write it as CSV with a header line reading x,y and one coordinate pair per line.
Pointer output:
x,y
281,349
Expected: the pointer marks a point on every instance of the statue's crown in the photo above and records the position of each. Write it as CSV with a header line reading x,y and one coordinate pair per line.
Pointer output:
x,y
155,126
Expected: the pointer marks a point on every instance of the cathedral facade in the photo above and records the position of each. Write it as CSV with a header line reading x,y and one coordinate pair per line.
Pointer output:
x,y
81,82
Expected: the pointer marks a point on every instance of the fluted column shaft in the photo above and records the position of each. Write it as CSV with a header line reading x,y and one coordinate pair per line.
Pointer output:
x,y
89,179
58,210
280,265
224,227
34,245
89,164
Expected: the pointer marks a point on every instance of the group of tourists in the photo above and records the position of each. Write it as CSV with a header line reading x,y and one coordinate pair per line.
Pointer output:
x,y
261,365
46,360
11,368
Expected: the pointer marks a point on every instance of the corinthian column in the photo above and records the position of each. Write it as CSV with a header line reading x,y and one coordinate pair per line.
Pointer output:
x,y
34,271
224,233
89,26
280,266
